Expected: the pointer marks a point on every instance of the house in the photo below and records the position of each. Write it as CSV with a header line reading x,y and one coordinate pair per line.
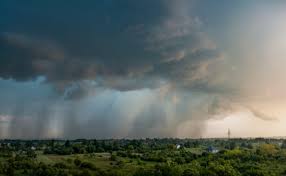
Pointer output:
x,y
212,149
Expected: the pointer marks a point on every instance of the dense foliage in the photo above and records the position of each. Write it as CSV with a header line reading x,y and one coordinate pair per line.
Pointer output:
x,y
154,157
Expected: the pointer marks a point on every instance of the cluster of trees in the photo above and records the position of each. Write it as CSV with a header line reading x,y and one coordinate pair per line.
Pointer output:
x,y
28,167
266,160
63,147
152,157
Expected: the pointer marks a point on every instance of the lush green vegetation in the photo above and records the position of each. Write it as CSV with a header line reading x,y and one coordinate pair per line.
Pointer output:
x,y
154,157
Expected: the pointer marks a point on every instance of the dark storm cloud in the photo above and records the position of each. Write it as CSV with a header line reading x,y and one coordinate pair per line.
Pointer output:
x,y
111,40
122,69
24,58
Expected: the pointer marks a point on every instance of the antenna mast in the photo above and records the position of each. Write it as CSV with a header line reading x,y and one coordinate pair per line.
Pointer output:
x,y
228,133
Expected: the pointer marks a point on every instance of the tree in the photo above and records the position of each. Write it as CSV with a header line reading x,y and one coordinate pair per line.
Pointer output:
x,y
267,149
31,154
143,172
77,162
217,169
283,144
193,170
113,157
67,143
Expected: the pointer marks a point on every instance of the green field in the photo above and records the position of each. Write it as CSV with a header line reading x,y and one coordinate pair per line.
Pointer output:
x,y
99,160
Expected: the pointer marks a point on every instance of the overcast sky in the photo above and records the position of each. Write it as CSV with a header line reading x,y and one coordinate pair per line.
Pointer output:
x,y
136,69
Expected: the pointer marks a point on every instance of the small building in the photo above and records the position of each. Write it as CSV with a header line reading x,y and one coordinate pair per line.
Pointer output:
x,y
212,149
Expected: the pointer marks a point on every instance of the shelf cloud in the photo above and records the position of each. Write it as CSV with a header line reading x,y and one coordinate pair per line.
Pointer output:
x,y
129,68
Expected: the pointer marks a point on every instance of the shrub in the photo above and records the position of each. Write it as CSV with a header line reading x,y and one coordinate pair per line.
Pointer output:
x,y
87,165
77,162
